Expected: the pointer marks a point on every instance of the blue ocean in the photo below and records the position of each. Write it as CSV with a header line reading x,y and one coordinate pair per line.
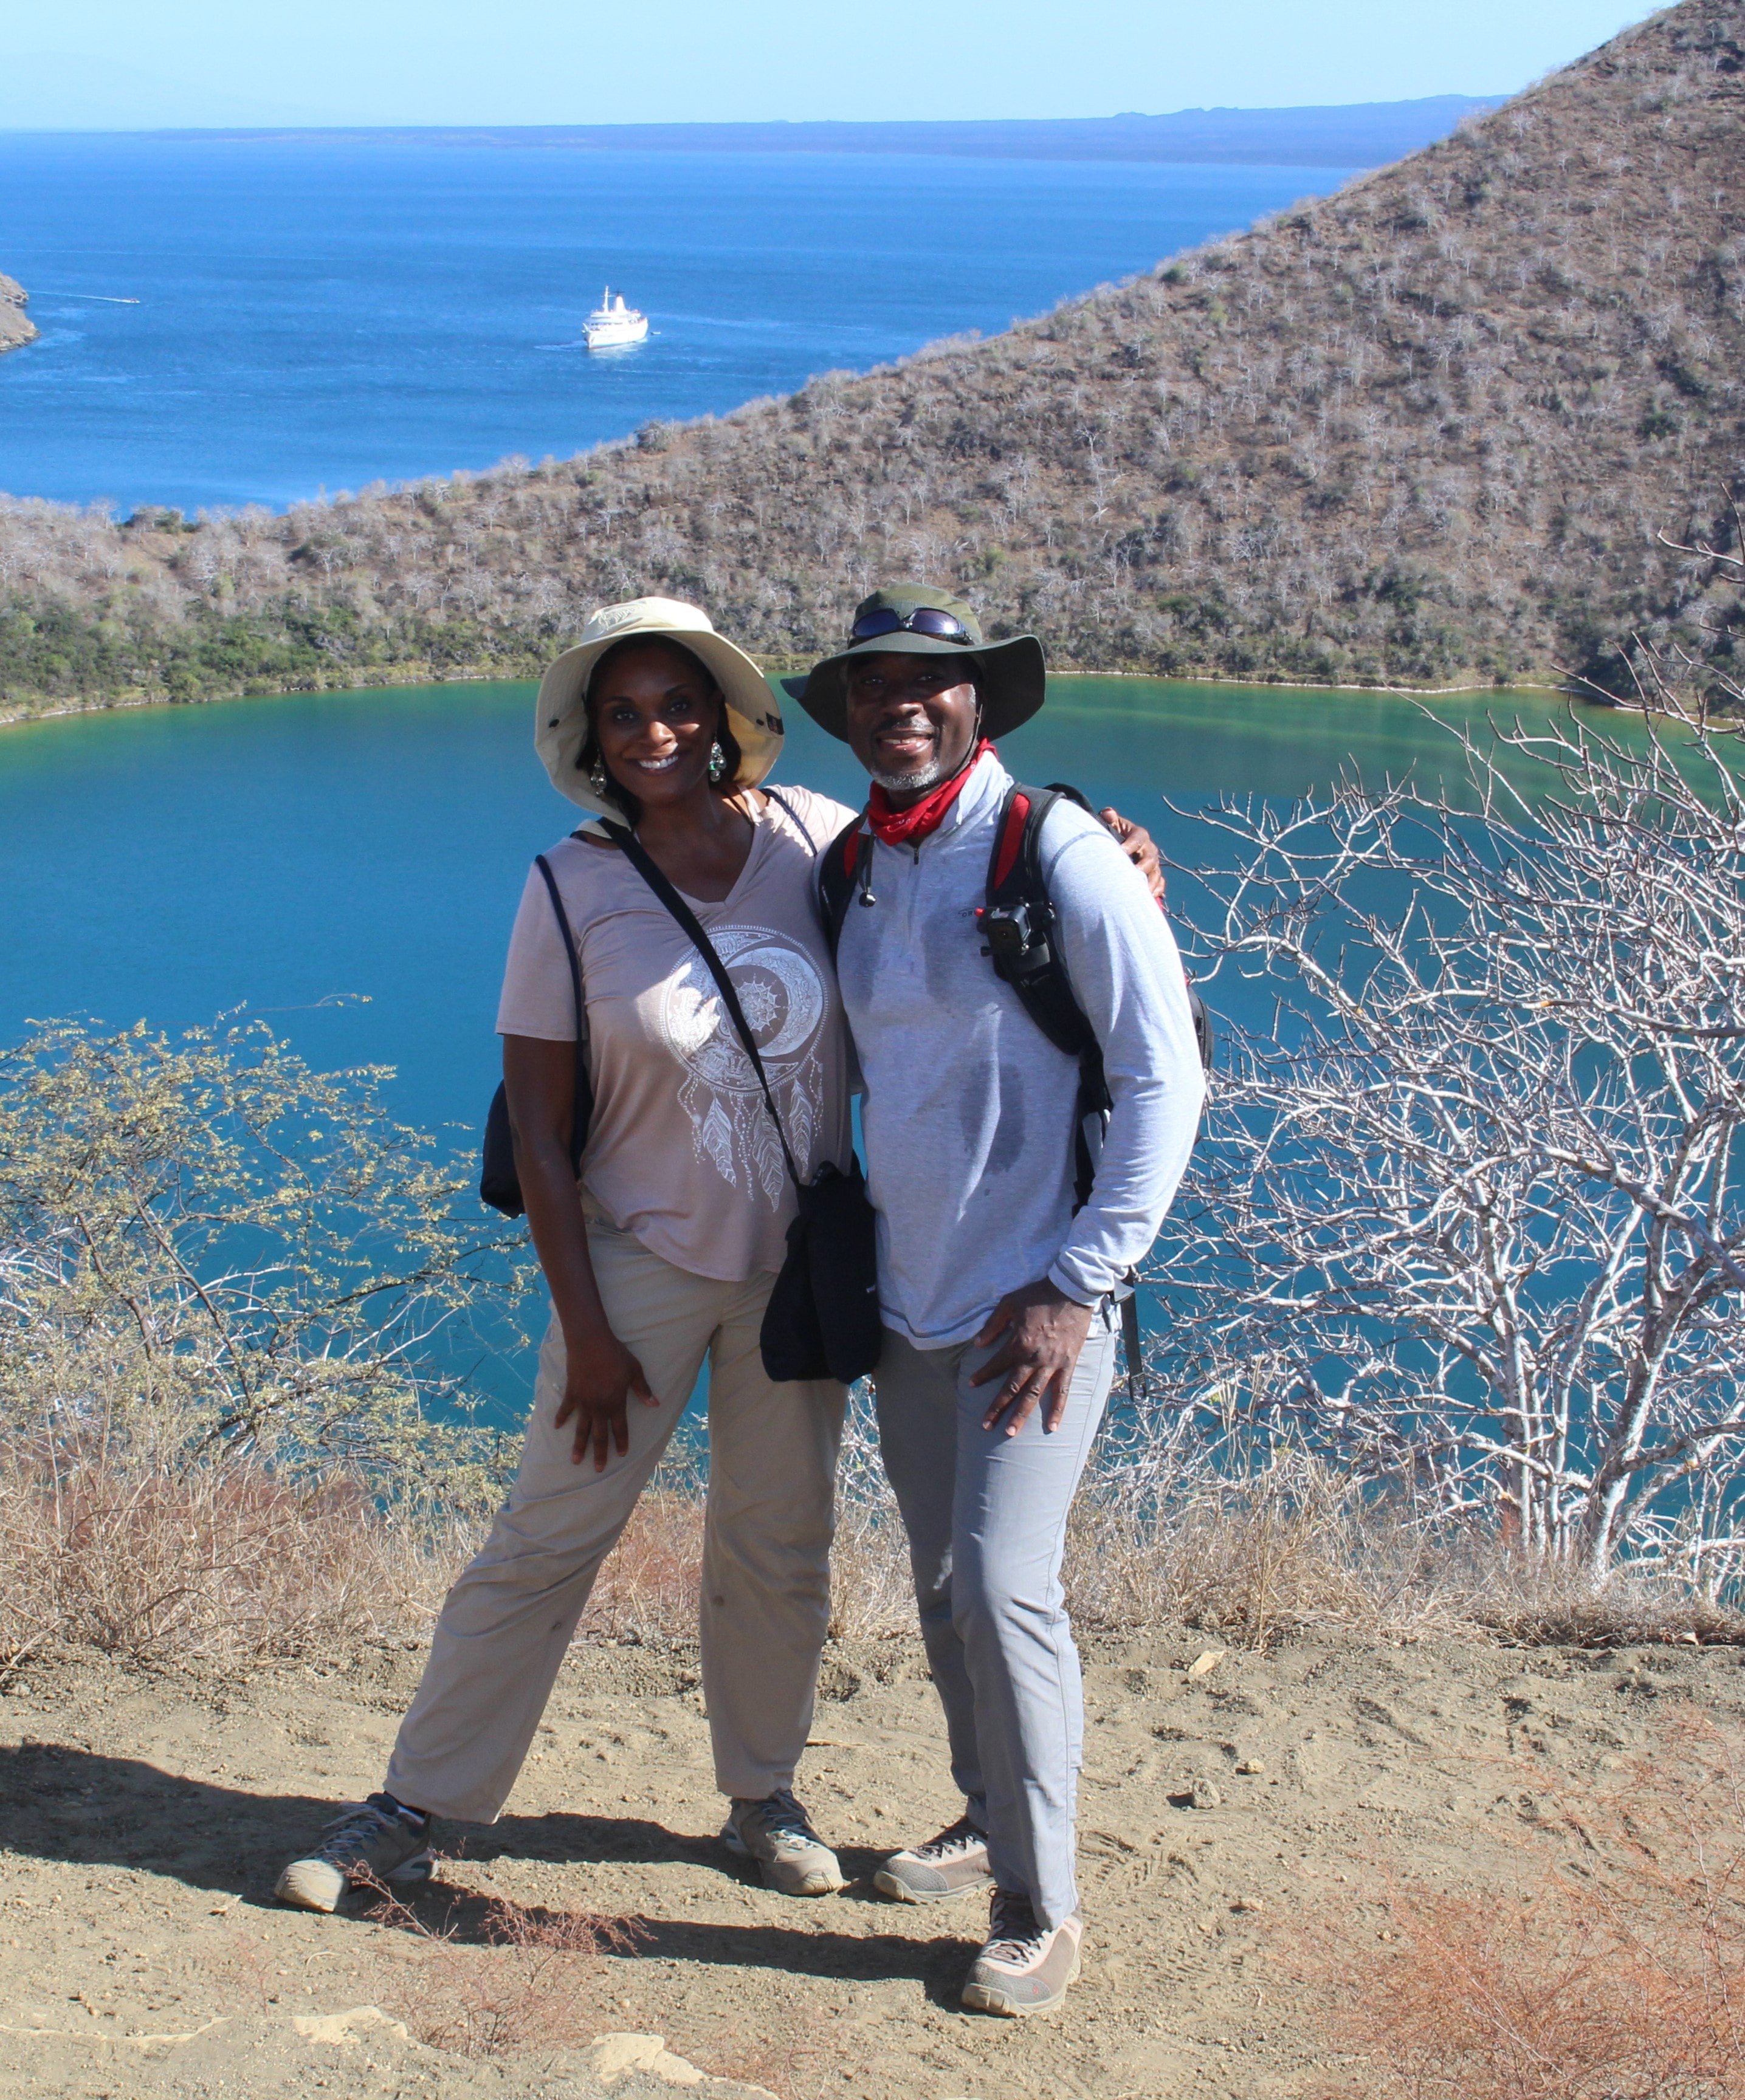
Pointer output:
x,y
237,320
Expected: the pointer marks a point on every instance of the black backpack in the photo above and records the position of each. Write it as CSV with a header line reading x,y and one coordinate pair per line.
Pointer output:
x,y
1016,922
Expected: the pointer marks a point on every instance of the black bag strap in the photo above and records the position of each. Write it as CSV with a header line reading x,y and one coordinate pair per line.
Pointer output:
x,y
636,854
781,802
583,1093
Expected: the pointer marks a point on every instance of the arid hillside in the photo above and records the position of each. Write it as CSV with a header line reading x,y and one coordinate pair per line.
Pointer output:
x,y
1424,430
15,326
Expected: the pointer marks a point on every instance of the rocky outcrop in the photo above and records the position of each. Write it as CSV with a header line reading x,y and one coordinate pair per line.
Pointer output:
x,y
15,328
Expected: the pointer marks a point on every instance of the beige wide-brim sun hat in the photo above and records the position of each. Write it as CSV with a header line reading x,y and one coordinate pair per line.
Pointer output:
x,y
560,723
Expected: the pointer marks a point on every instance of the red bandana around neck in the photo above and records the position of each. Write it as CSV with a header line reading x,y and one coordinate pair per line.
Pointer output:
x,y
908,827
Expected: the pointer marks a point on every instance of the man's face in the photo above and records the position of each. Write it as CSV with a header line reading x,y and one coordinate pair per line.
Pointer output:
x,y
911,720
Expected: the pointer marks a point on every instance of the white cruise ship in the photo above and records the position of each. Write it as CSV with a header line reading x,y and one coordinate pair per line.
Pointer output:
x,y
612,322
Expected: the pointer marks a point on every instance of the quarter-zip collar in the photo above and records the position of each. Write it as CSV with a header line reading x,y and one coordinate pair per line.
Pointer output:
x,y
984,789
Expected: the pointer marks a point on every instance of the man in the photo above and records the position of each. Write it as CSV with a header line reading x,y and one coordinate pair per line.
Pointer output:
x,y
999,1297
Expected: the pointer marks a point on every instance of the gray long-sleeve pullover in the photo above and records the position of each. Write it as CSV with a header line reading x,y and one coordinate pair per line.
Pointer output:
x,y
968,1114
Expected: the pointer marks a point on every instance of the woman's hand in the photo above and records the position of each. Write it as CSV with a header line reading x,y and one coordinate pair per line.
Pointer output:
x,y
601,1377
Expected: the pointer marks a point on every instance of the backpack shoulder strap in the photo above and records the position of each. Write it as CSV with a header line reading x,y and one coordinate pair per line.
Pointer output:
x,y
843,863
1018,920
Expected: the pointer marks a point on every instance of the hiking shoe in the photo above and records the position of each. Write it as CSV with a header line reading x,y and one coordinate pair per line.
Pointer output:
x,y
778,1834
951,1864
370,1841
1023,1969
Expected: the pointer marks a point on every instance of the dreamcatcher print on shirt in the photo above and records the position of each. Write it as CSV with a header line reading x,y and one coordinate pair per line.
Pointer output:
x,y
784,1001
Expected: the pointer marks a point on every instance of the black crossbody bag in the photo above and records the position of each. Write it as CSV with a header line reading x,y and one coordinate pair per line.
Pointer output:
x,y
822,1321
499,1182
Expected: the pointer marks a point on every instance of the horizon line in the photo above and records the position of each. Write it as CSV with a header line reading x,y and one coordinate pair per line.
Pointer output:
x,y
1128,118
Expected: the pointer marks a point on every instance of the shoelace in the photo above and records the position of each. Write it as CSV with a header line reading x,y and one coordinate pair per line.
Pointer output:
x,y
1013,1932
359,1819
782,1816
961,1837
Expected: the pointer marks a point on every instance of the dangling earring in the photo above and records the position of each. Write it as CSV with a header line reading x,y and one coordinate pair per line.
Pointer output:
x,y
718,760
597,777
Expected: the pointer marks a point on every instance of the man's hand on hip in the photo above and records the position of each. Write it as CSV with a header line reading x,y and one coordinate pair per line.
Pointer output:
x,y
1045,1331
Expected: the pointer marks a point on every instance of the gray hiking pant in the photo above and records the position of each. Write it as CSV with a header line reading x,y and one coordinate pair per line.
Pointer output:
x,y
987,1519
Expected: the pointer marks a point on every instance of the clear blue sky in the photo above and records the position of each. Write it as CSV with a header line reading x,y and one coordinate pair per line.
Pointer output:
x,y
105,63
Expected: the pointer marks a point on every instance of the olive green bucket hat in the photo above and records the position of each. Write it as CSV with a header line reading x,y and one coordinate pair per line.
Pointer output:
x,y
914,619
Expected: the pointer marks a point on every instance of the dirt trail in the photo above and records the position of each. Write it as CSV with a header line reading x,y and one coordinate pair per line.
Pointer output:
x,y
144,1817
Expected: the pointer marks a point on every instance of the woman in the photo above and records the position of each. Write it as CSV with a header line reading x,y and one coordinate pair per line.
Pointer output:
x,y
662,1258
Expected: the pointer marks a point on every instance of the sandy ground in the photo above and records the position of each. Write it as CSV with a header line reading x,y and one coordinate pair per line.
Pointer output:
x,y
146,1815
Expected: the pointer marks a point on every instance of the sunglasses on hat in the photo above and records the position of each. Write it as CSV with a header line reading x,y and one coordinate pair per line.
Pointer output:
x,y
924,619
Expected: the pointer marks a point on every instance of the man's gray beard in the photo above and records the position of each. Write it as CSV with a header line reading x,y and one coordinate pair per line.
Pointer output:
x,y
929,775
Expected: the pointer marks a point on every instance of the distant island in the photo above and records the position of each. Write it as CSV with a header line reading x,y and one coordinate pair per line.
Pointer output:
x,y
1423,432
15,325
1361,134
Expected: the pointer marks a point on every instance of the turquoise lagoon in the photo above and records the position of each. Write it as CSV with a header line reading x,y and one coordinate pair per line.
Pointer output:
x,y
347,864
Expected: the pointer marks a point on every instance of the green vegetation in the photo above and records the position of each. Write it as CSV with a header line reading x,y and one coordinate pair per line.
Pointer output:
x,y
211,1255
1425,431
54,651
230,1422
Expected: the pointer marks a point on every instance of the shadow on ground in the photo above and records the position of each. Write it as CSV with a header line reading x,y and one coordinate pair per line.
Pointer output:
x,y
59,1803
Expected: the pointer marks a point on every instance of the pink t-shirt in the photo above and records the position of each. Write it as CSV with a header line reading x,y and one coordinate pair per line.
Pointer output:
x,y
682,1151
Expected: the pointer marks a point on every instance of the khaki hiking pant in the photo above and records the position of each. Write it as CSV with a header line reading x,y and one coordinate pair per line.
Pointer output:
x,y
766,1587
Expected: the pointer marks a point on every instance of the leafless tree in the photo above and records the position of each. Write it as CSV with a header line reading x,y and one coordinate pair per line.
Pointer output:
x,y
1473,1211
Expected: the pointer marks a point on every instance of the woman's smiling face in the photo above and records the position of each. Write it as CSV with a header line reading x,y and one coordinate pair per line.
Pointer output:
x,y
657,712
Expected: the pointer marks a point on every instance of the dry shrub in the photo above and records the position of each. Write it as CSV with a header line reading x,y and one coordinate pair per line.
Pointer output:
x,y
648,1585
1535,1607
230,1562
1617,1973
226,1560
1295,1542
872,1593
1292,1544
805,2067
495,1976
870,1590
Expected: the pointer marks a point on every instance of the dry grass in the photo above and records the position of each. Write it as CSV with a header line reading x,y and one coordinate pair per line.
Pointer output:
x,y
231,1562
648,1586
467,1971
492,1976
225,1561
1617,1972
1297,1544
